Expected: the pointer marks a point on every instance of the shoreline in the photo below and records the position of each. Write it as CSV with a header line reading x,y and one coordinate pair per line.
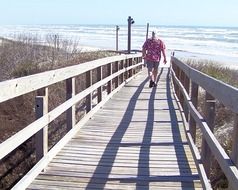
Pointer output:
x,y
220,60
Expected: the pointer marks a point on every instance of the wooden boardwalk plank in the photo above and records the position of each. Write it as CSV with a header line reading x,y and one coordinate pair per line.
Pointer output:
x,y
136,141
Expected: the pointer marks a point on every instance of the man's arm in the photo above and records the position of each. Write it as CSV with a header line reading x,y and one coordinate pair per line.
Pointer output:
x,y
163,52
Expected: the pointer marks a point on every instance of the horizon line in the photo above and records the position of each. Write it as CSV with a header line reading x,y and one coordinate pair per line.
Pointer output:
x,y
153,25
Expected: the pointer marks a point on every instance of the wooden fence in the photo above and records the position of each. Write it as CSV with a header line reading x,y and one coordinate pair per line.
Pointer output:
x,y
187,81
125,67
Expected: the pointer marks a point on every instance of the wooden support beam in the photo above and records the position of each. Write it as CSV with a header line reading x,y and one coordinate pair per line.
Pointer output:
x,y
99,90
194,98
70,92
122,67
89,96
206,154
118,77
41,137
130,71
109,83
187,87
234,154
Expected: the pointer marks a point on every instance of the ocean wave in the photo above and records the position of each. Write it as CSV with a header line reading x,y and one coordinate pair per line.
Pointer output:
x,y
208,40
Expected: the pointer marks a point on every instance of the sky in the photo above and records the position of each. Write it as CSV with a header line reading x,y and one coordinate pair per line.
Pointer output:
x,y
156,12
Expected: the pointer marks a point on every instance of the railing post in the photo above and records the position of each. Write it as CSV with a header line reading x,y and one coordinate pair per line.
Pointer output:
x,y
99,77
123,74
125,66
118,77
41,137
175,69
130,64
181,98
206,155
89,96
109,83
177,87
234,153
187,87
70,92
133,63
194,98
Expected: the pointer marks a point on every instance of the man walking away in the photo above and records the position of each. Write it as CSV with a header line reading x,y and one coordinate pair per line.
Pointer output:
x,y
151,53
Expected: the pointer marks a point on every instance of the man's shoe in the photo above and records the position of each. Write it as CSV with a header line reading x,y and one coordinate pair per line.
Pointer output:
x,y
151,84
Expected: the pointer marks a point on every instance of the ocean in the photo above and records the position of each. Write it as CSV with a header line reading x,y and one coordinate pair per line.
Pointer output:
x,y
213,43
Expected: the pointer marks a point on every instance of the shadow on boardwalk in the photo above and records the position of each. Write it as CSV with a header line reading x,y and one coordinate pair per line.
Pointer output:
x,y
143,178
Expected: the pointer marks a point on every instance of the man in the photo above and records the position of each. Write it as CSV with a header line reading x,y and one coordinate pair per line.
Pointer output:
x,y
151,53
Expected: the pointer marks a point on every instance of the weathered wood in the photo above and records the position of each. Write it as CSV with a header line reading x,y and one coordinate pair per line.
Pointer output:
x,y
99,78
219,153
187,87
194,99
234,153
23,85
109,83
41,138
28,178
118,77
205,181
123,74
223,159
218,89
70,92
89,96
130,64
20,137
158,151
206,154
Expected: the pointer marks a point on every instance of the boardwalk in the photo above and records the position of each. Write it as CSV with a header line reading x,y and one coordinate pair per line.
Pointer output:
x,y
136,141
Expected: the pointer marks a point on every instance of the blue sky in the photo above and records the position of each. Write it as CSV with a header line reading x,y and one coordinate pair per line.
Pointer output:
x,y
156,12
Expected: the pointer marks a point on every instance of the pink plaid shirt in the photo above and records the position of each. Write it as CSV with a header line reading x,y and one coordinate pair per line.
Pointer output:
x,y
153,49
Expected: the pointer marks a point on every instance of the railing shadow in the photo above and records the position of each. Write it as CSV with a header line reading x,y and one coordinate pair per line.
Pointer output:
x,y
143,178
144,155
110,152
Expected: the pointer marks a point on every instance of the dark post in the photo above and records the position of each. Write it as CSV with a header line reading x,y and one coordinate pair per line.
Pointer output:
x,y
130,21
117,29
41,137
147,31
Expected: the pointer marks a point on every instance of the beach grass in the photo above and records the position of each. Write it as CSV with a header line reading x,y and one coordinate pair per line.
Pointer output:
x,y
216,70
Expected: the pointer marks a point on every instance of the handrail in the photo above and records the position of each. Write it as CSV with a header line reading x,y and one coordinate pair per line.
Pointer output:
x,y
185,77
19,86
16,87
216,88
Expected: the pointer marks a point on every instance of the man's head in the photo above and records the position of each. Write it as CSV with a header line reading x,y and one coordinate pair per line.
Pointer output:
x,y
153,35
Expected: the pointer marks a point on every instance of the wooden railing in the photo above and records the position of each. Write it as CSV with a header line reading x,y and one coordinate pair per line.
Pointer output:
x,y
187,81
124,67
